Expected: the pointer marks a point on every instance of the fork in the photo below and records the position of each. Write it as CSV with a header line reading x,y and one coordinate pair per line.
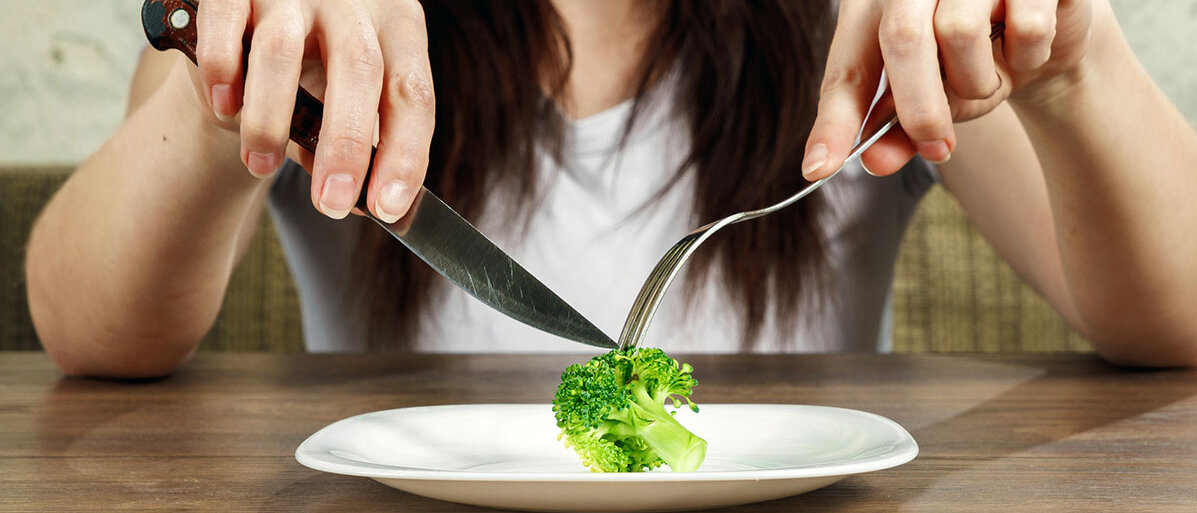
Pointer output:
x,y
653,290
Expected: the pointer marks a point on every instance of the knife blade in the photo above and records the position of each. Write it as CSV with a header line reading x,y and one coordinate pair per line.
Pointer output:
x,y
431,229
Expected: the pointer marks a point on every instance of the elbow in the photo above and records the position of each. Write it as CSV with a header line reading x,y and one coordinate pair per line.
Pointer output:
x,y
98,363
105,353
90,350
84,342
90,327
1136,360
1143,341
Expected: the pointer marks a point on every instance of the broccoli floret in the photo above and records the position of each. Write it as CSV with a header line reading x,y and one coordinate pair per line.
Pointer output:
x,y
611,411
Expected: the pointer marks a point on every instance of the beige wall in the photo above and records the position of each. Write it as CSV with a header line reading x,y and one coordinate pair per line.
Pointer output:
x,y
64,73
65,67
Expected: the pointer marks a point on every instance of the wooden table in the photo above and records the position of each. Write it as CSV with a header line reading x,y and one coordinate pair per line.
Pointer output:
x,y
1009,434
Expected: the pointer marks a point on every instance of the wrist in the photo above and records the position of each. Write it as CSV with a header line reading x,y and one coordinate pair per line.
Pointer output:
x,y
1105,56
1055,96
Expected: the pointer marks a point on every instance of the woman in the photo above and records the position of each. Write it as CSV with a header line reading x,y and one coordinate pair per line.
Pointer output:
x,y
587,136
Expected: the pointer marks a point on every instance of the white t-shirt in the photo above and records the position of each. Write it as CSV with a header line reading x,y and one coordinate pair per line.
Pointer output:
x,y
585,244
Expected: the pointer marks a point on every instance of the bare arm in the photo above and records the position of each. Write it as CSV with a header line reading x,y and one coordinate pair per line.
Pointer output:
x,y
997,179
1087,192
1120,165
1083,179
128,264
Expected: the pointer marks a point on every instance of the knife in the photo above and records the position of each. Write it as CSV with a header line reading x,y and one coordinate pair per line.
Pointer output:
x,y
431,229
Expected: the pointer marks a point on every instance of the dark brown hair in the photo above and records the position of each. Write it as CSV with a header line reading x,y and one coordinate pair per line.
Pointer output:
x,y
747,79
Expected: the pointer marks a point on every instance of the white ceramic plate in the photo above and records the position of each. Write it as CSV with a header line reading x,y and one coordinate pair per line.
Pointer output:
x,y
508,456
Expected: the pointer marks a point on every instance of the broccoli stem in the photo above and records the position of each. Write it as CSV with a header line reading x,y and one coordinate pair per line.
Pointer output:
x,y
682,450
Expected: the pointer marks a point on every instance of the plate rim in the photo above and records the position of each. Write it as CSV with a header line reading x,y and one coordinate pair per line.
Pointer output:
x,y
900,453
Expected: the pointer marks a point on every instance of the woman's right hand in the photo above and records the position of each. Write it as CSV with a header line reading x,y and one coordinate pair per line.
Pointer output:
x,y
378,78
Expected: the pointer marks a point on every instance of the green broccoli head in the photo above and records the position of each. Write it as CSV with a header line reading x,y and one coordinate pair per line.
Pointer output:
x,y
611,411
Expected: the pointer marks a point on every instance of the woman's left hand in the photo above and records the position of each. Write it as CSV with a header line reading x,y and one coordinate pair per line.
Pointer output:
x,y
941,67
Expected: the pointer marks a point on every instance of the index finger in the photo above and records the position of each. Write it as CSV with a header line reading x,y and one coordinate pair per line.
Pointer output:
x,y
849,83
912,62
220,27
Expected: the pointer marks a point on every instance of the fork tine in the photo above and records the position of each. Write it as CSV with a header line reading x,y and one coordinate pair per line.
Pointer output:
x,y
651,293
635,317
669,272
642,298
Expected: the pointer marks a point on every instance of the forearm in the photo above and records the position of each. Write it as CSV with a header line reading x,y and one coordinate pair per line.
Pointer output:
x,y
1119,164
128,264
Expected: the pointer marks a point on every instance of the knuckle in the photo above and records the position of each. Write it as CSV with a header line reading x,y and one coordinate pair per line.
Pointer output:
x,y
363,55
206,57
219,27
212,64
411,166
282,40
958,31
1032,29
407,159
347,146
411,88
217,59
412,9
223,13
258,134
976,89
852,76
902,33
922,124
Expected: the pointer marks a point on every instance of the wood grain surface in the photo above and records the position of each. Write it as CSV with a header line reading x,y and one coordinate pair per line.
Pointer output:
x,y
997,433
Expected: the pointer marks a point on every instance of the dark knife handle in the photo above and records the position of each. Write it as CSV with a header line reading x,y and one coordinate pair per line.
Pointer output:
x,y
170,24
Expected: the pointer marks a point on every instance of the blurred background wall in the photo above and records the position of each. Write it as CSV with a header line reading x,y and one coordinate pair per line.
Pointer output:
x,y
65,66
64,72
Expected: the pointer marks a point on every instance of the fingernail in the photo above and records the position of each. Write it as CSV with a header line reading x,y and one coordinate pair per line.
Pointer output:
x,y
936,152
222,102
393,201
262,164
866,169
815,158
337,197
